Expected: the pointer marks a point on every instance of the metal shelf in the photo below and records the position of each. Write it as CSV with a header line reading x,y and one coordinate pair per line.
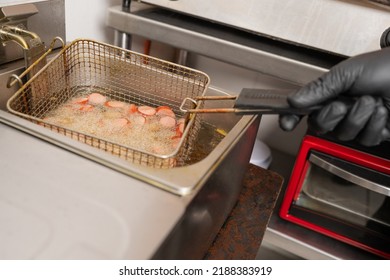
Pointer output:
x,y
276,58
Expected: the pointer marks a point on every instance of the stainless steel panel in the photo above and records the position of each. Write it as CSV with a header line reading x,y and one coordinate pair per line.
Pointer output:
x,y
207,212
48,23
276,65
57,205
343,27
5,73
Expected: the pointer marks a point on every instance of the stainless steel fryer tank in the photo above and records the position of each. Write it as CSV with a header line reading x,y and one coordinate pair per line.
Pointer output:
x,y
179,180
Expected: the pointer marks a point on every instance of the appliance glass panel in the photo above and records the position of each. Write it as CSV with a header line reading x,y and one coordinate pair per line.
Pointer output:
x,y
355,207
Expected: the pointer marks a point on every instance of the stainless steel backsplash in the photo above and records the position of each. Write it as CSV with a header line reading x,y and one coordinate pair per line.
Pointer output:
x,y
48,23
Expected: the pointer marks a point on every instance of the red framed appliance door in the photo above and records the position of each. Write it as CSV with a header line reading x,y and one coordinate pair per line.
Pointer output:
x,y
314,144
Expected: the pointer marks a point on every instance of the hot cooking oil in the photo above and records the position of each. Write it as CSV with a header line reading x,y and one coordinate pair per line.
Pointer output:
x,y
208,138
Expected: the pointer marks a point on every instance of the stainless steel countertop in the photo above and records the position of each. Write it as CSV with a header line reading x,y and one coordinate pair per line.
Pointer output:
x,y
54,202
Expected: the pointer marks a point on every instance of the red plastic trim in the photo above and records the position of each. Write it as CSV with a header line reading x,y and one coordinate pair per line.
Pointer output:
x,y
298,175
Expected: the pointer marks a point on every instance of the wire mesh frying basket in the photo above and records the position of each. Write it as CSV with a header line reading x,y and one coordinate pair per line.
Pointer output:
x,y
86,66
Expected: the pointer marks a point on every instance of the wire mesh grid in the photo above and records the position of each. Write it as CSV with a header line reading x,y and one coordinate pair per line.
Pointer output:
x,y
89,66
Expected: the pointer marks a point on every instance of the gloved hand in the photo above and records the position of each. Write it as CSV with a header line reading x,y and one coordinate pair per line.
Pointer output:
x,y
356,98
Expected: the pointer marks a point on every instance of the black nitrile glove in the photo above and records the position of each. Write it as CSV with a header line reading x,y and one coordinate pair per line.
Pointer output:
x,y
356,98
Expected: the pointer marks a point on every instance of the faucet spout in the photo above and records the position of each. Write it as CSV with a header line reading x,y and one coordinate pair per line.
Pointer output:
x,y
6,36
21,31
13,20
18,35
31,43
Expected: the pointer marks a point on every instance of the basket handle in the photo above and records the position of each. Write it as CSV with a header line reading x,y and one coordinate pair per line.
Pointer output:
x,y
15,78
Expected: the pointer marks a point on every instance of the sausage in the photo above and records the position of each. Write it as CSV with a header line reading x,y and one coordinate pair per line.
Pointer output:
x,y
167,121
139,119
80,100
118,124
147,110
181,125
86,108
96,99
115,104
165,111
132,109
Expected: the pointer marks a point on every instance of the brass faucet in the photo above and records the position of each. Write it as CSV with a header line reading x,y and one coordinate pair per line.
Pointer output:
x,y
13,20
18,35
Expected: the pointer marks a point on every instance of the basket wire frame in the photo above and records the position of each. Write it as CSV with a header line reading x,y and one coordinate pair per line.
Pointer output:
x,y
89,66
